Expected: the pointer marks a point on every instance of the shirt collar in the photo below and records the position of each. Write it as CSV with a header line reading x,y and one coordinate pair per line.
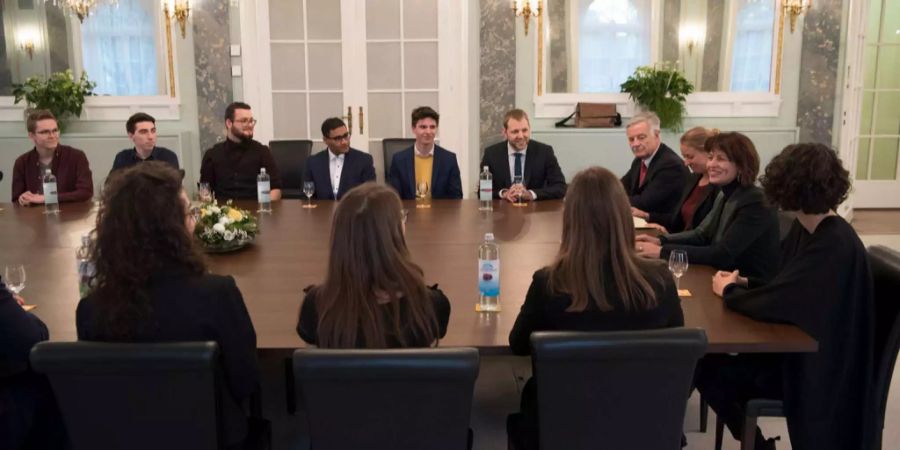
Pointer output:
x,y
650,158
416,151
332,156
510,150
137,157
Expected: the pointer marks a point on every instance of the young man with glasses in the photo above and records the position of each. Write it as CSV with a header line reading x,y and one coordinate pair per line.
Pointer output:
x,y
338,168
231,167
70,166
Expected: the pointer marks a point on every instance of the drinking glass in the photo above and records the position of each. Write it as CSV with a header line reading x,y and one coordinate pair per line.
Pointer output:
x,y
678,264
309,188
204,193
422,195
14,277
517,180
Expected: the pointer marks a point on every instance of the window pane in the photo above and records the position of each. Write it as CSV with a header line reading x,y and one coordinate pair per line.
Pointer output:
x,y
884,159
862,159
615,39
751,63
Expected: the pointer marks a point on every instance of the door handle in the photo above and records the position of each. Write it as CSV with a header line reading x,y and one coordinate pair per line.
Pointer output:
x,y
349,118
360,120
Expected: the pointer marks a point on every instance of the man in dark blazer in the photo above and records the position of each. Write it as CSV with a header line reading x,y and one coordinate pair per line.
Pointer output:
x,y
657,175
519,155
425,162
338,168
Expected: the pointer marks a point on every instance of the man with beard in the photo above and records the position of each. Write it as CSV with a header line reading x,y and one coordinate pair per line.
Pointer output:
x,y
657,175
231,167
338,168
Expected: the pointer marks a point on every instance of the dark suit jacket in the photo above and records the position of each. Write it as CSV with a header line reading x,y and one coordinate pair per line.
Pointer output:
x,y
196,308
674,221
741,232
665,179
541,171
445,180
358,169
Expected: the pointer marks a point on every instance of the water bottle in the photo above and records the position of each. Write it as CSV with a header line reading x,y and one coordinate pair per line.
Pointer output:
x,y
51,199
485,190
263,191
86,268
489,274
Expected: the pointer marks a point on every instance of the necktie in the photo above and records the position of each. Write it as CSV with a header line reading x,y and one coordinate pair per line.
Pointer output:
x,y
518,164
643,174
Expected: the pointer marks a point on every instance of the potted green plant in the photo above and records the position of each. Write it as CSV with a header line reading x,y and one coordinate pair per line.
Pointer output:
x,y
60,93
662,90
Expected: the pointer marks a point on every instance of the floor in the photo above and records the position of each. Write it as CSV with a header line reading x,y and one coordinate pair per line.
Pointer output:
x,y
501,378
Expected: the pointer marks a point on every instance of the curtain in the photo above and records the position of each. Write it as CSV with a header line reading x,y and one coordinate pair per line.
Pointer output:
x,y
751,63
614,40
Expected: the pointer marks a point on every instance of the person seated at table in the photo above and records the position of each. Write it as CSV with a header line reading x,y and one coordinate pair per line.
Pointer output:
x,y
741,230
74,182
152,283
657,175
29,417
425,162
698,195
141,129
374,295
825,288
596,283
338,168
520,156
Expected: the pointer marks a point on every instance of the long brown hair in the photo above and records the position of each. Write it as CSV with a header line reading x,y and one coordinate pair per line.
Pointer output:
x,y
373,289
597,249
140,231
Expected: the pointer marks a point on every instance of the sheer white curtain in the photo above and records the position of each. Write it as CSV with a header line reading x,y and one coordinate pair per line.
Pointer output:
x,y
751,63
614,40
118,45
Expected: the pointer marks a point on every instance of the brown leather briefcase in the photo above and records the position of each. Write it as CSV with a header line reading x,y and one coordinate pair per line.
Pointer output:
x,y
593,115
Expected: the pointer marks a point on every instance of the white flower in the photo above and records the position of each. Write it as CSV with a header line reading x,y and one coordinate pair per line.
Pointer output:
x,y
214,209
224,220
219,228
228,235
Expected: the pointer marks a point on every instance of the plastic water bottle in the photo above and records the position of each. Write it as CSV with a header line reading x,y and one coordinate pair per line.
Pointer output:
x,y
489,274
485,190
86,268
51,199
264,191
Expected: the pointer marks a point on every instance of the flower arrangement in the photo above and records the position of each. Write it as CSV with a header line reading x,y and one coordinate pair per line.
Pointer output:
x,y
662,90
224,228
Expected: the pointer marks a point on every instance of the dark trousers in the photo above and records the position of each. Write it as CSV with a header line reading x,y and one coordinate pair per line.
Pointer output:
x,y
727,382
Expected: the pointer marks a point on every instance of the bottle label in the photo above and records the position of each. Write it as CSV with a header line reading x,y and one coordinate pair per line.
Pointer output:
x,y
50,196
263,193
489,277
485,190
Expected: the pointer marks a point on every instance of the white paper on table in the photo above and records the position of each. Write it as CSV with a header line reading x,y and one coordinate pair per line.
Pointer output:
x,y
640,223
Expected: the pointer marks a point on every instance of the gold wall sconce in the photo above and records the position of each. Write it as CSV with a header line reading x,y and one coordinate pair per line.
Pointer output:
x,y
28,39
690,35
82,8
28,47
527,9
181,10
794,9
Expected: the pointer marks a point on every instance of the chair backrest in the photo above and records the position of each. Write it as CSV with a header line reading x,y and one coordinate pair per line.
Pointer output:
x,y
290,155
387,399
392,146
885,266
134,396
614,389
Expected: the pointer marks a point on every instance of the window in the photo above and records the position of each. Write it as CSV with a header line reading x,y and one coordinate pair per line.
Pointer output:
x,y
615,38
751,63
119,49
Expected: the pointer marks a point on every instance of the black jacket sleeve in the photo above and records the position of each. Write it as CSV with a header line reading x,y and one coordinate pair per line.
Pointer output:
x,y
441,309
659,190
237,342
554,180
19,330
530,317
308,324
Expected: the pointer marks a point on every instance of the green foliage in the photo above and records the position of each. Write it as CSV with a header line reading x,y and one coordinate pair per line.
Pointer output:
x,y
60,93
661,90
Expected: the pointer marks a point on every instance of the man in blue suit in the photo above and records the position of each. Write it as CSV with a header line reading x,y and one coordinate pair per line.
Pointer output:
x,y
338,168
425,162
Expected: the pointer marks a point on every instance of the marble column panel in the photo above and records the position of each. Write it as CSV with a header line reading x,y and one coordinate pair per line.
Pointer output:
x,y
212,62
498,68
57,39
712,48
559,52
671,24
819,69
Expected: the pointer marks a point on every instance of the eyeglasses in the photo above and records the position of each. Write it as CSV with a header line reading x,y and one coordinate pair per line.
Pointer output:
x,y
46,133
343,137
244,122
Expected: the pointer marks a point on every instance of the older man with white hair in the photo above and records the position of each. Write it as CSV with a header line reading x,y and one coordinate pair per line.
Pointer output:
x,y
657,175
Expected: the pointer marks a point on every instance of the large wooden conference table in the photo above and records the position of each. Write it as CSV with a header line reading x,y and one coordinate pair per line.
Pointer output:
x,y
291,252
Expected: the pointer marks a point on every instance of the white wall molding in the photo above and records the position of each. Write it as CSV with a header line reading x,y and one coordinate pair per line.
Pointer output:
x,y
700,104
105,108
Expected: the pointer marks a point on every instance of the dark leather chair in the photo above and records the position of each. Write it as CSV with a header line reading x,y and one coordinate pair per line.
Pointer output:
x,y
392,146
603,389
290,155
403,399
134,396
885,266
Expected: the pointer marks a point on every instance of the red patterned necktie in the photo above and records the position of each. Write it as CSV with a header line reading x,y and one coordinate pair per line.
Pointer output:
x,y
643,174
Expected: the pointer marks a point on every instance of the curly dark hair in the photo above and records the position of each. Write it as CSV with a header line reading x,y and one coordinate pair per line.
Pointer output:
x,y
806,177
140,231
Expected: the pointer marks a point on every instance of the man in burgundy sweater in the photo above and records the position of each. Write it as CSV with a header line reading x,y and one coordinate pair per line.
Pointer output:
x,y
69,165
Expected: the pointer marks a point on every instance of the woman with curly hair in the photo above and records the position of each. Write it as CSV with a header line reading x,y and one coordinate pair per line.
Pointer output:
x,y
152,285
825,288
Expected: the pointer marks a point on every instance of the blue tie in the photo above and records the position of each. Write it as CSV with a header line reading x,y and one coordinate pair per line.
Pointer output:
x,y
518,164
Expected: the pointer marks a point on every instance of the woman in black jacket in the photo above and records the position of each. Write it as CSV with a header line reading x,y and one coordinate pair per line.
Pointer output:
x,y
741,231
152,285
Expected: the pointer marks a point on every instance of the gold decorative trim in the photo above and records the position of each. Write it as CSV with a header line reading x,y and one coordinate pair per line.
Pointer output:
x,y
778,51
540,55
169,51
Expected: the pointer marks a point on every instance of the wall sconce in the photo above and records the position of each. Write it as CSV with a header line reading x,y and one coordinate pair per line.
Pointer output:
x,y
690,35
29,48
181,10
527,9
27,37
82,8
794,8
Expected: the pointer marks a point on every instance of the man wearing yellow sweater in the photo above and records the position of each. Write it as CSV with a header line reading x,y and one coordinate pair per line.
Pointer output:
x,y
425,162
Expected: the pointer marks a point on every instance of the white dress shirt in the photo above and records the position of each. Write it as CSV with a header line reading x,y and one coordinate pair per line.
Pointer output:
x,y
335,167
511,151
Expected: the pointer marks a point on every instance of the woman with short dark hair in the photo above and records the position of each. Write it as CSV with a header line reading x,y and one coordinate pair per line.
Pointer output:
x,y
741,231
825,288
152,285
374,295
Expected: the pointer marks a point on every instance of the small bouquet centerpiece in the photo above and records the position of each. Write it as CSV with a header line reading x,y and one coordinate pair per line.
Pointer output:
x,y
224,228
